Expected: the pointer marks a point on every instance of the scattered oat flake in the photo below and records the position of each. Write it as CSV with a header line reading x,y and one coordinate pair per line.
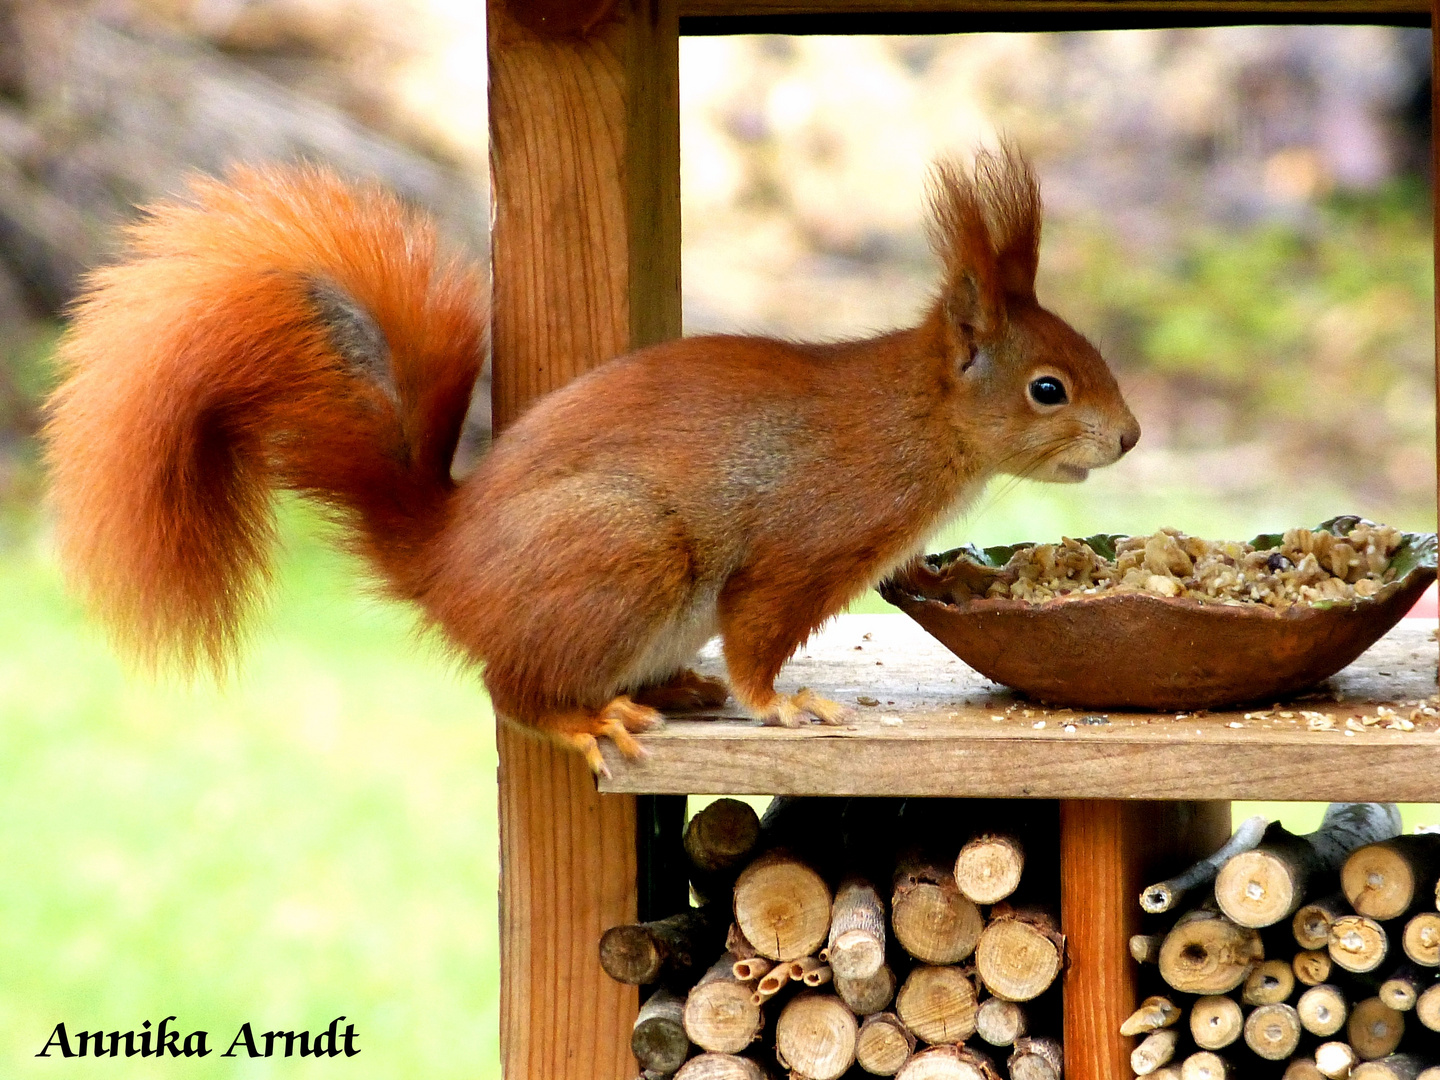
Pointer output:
x,y
1401,724
997,718
1351,734
1234,723
1038,723
1321,723
1070,729
1288,715
1356,723
891,720
863,700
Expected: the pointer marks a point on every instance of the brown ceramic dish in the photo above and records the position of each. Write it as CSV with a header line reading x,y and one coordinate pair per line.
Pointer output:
x,y
1135,650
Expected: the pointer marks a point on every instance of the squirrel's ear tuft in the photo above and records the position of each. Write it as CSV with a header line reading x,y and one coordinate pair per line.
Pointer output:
x,y
961,237
985,226
1010,195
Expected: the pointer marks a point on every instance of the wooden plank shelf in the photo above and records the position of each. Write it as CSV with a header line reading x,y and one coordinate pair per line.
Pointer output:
x,y
941,729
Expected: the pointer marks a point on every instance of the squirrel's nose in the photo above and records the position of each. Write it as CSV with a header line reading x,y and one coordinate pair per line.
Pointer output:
x,y
1128,439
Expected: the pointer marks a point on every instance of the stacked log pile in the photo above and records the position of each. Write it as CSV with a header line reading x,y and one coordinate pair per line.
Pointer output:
x,y
1312,957
854,937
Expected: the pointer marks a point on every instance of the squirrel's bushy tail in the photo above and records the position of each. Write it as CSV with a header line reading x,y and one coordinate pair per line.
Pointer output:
x,y
284,329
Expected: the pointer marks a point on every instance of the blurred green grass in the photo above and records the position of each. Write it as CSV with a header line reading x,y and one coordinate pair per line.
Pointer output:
x,y
317,838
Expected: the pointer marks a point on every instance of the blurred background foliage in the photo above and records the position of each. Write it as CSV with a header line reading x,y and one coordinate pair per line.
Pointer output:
x,y
1240,218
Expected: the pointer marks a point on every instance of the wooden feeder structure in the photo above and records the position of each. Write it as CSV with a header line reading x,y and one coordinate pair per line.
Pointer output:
x,y
585,147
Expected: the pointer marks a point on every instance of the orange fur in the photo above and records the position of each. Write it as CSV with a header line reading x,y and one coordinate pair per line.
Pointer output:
x,y
288,330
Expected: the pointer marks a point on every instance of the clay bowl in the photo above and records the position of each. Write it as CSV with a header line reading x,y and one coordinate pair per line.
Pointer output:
x,y
1138,651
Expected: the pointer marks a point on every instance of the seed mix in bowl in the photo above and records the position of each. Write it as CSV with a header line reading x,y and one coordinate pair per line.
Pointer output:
x,y
1342,560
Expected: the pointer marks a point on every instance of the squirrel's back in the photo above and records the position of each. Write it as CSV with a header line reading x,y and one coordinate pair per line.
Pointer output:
x,y
283,328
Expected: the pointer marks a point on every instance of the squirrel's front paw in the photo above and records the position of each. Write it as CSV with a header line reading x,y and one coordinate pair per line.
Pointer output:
x,y
792,710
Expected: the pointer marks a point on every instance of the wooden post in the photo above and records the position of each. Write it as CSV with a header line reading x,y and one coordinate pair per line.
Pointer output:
x,y
584,156
1109,850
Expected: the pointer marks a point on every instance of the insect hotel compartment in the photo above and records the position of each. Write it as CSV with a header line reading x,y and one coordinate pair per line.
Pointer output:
x,y
911,937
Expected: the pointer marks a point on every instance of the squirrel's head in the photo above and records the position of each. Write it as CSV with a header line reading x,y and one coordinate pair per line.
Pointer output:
x,y
1031,396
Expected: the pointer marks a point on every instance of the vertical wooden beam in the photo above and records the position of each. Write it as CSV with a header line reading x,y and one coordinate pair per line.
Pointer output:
x,y
584,157
1109,851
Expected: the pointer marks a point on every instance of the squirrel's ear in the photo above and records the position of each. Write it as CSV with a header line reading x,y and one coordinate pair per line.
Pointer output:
x,y
1010,195
972,300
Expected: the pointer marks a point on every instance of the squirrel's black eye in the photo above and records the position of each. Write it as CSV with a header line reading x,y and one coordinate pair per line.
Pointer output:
x,y
1048,390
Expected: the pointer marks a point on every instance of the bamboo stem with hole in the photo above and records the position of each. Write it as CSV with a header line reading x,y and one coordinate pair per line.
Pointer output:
x,y
1215,1022
1374,1029
1322,1010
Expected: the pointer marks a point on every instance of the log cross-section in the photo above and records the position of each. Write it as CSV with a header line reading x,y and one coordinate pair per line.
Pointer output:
x,y
584,154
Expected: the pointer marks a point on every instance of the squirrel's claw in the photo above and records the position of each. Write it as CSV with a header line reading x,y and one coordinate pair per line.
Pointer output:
x,y
793,710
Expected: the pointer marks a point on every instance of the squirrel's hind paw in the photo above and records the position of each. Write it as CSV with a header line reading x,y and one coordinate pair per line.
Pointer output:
x,y
793,710
617,721
687,689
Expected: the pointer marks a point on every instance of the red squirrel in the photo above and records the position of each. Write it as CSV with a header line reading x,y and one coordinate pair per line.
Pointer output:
x,y
285,329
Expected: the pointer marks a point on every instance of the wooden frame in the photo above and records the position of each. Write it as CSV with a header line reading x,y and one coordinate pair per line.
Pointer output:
x,y
584,123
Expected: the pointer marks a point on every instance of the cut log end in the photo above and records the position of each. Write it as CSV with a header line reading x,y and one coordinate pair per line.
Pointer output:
x,y
883,1044
1379,880
1427,1008
1257,888
988,868
815,1036
1206,953
1018,957
937,1004
1312,966
1358,943
783,907
658,1038
1421,939
1205,1065
933,920
1000,1022
948,1063
720,836
869,995
721,1067
721,1014
1335,1059
1036,1059
1303,1069
1272,982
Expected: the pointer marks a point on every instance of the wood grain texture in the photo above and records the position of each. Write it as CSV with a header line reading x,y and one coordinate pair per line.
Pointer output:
x,y
1108,850
584,143
934,732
